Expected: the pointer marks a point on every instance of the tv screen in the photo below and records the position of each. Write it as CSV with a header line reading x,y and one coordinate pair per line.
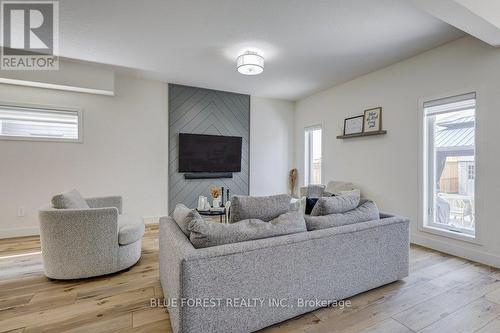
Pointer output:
x,y
209,153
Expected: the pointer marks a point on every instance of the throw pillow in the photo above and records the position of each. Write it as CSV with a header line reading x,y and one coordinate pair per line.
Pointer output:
x,y
367,211
262,208
294,204
69,200
310,203
303,204
315,191
298,205
354,192
337,187
335,205
183,216
204,233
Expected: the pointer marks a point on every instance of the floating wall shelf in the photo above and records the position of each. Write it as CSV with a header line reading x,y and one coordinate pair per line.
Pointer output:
x,y
357,135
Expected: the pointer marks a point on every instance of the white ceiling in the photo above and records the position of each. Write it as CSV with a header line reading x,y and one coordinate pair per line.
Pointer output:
x,y
309,45
489,9
479,18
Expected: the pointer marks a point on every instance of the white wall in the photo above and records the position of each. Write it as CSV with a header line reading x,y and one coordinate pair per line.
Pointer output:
x,y
387,167
124,152
271,145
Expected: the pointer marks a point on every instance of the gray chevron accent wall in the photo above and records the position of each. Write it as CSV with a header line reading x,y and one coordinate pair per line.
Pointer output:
x,y
204,111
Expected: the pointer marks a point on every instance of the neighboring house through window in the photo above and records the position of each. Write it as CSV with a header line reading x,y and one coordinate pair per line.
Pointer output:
x,y
449,152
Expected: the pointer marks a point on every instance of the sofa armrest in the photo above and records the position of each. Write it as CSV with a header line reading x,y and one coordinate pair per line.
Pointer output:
x,y
175,248
87,235
102,202
94,226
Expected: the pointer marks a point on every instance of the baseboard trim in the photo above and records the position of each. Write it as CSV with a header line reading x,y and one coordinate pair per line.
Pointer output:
x,y
19,232
456,250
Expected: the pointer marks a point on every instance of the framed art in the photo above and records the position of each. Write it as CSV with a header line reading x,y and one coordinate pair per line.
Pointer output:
x,y
373,120
353,125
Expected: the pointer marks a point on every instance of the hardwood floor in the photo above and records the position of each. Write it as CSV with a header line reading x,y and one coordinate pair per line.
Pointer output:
x,y
442,294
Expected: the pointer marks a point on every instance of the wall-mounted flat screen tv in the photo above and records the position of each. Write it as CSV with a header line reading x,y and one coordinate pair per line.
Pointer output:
x,y
209,153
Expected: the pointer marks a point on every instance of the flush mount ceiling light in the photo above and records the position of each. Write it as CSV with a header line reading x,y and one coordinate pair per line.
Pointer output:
x,y
250,63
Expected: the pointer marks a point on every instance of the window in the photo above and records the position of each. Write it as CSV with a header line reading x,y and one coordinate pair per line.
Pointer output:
x,y
449,153
471,172
39,123
312,155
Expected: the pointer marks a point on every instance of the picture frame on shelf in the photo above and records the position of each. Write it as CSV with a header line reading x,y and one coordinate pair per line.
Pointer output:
x,y
372,120
354,125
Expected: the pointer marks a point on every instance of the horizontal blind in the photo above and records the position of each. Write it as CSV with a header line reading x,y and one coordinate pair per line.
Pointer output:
x,y
450,104
24,122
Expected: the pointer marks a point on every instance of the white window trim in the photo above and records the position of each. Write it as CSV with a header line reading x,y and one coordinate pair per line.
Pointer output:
x,y
477,238
306,173
54,108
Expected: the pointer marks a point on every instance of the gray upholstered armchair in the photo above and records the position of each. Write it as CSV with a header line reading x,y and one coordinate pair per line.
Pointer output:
x,y
89,237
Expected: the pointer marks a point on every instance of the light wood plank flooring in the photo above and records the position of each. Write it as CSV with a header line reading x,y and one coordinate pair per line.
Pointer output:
x,y
442,294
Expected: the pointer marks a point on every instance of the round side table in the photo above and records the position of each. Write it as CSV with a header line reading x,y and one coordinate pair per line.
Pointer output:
x,y
220,213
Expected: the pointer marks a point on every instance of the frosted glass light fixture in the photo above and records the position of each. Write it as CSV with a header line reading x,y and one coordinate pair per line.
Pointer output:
x,y
250,63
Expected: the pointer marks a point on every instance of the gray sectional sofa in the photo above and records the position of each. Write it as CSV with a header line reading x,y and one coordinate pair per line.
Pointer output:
x,y
283,275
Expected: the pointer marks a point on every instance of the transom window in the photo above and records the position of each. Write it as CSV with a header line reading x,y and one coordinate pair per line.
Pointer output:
x,y
449,151
39,123
312,155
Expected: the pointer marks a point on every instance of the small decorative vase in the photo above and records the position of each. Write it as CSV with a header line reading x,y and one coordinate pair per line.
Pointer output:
x,y
216,202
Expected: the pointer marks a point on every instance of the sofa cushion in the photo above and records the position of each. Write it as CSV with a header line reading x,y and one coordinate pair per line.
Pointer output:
x,y
335,205
366,211
206,233
69,200
183,215
130,229
262,208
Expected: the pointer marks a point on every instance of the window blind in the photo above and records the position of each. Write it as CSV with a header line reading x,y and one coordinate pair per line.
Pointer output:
x,y
450,104
24,122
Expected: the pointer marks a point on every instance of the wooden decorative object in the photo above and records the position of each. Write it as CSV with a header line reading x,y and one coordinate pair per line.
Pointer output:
x,y
361,134
294,173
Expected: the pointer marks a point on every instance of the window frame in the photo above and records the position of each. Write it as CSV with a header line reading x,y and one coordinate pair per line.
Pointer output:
x,y
471,172
423,226
49,108
308,153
